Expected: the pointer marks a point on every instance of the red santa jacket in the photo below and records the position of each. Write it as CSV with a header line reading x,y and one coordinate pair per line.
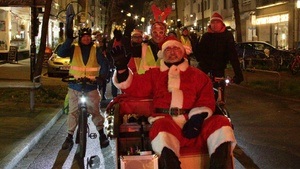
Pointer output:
x,y
181,86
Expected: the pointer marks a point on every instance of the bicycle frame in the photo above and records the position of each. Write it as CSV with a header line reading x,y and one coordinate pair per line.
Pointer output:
x,y
219,84
82,131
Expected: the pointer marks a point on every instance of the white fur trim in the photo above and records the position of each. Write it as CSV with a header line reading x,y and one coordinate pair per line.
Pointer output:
x,y
164,139
179,120
169,43
188,49
163,67
222,135
173,86
160,54
126,83
199,110
153,119
216,18
173,78
177,99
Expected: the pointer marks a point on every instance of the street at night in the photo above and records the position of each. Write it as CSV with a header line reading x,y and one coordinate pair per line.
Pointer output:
x,y
169,84
264,126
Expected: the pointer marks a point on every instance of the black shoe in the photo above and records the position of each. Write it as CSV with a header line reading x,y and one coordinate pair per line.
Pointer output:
x,y
68,144
221,158
168,160
104,142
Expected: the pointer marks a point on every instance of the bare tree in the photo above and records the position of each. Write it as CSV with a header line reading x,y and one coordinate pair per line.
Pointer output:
x,y
237,18
41,53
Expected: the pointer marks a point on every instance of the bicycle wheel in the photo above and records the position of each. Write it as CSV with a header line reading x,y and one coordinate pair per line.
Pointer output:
x,y
82,127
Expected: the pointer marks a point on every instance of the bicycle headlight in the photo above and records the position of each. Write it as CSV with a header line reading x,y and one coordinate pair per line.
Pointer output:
x,y
227,81
82,99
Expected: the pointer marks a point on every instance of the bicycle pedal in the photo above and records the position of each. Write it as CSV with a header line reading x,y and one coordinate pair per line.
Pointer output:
x,y
93,162
93,135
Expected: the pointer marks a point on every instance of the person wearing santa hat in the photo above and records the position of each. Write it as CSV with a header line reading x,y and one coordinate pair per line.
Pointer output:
x,y
216,49
184,103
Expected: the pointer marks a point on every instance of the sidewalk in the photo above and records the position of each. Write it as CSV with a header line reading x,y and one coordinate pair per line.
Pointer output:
x,y
21,130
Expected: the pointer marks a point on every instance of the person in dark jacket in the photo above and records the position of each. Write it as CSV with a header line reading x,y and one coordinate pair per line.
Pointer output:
x,y
216,49
116,41
86,61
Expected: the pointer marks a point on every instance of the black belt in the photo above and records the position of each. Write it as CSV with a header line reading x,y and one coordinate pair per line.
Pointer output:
x,y
172,111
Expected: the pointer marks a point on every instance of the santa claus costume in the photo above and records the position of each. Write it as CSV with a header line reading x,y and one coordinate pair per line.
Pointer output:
x,y
180,92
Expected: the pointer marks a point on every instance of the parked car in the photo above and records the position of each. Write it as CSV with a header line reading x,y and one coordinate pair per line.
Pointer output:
x,y
58,66
259,53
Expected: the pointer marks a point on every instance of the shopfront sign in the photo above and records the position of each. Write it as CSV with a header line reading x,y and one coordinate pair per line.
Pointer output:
x,y
12,54
18,3
272,19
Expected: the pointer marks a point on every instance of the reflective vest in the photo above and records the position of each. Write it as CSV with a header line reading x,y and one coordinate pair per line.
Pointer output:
x,y
79,69
147,60
186,41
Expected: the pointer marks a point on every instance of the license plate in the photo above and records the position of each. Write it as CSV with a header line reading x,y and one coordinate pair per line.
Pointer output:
x,y
65,68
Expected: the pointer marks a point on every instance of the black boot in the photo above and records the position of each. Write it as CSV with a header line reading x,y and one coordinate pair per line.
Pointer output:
x,y
104,142
221,158
68,144
168,160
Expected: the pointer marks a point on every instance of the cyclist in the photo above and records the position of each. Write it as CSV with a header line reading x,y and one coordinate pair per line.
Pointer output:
x,y
86,61
216,48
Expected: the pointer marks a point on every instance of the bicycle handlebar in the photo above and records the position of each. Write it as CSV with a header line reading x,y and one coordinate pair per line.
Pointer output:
x,y
220,80
82,80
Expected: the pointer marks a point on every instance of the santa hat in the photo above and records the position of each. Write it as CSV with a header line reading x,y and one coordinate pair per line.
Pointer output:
x,y
172,41
216,16
136,32
169,41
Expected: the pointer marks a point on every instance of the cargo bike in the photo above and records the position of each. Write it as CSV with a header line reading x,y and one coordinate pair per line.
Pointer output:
x,y
127,125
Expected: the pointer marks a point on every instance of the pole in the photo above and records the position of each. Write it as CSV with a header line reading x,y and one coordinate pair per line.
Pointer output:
x,y
298,29
86,13
298,23
176,10
202,15
33,34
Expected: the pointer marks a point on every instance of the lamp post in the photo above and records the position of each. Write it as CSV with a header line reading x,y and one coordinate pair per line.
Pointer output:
x,y
298,22
34,32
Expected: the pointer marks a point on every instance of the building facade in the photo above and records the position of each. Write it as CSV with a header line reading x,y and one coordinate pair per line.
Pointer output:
x,y
16,22
276,21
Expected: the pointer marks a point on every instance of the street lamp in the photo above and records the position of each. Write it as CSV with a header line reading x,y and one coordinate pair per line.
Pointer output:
x,y
298,22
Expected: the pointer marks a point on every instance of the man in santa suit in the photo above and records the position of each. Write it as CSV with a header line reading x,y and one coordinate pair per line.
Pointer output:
x,y
184,103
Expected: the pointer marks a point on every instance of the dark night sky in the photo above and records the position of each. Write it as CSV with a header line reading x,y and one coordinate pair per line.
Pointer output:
x,y
137,6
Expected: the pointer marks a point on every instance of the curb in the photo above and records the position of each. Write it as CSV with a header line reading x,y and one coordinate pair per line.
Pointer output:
x,y
27,144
